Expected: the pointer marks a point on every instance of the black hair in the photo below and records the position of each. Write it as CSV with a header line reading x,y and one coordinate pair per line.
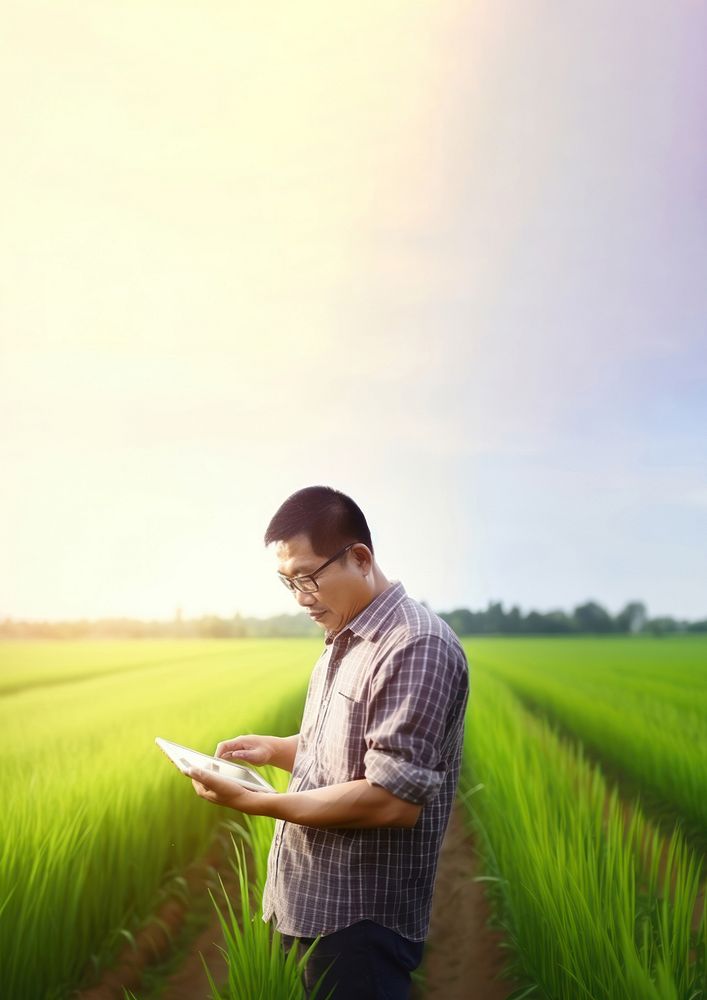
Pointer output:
x,y
328,518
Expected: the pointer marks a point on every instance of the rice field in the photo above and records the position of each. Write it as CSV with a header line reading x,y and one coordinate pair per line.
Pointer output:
x,y
593,900
95,820
572,745
639,705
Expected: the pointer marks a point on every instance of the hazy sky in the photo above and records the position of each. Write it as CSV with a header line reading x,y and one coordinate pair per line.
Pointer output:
x,y
447,257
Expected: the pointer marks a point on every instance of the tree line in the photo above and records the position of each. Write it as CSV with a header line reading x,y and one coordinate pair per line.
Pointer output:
x,y
204,627
590,618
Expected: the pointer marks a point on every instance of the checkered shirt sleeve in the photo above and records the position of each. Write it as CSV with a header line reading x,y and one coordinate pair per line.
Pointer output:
x,y
410,700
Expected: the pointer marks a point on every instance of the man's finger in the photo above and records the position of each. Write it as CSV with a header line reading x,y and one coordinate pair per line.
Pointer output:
x,y
199,778
215,783
204,791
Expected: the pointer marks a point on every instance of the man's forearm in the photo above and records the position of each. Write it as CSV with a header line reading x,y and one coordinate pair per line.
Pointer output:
x,y
357,804
284,751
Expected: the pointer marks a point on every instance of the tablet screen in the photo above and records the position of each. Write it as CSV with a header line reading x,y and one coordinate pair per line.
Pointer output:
x,y
185,758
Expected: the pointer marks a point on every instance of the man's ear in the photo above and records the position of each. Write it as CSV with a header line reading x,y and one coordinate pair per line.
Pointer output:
x,y
363,557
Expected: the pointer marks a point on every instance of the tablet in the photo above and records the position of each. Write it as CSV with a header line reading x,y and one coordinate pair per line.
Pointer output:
x,y
185,759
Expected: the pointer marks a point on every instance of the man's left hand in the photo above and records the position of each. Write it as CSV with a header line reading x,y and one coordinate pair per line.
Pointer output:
x,y
223,791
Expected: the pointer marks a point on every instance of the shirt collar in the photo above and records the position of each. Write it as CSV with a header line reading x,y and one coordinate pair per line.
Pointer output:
x,y
367,622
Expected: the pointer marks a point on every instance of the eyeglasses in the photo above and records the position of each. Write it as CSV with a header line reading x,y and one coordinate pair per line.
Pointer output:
x,y
307,584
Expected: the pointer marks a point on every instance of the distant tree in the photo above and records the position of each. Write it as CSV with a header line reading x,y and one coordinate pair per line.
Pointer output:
x,y
558,623
238,627
700,626
664,626
461,621
514,621
633,618
592,617
533,623
586,618
495,618
213,627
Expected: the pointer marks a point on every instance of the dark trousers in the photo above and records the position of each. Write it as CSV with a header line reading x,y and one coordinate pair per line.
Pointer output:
x,y
370,962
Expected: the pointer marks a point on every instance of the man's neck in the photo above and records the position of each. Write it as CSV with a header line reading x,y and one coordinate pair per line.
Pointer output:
x,y
381,585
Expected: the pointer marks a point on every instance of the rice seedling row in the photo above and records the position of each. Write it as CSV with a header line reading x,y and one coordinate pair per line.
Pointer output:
x,y
256,963
95,819
638,705
595,904
593,907
31,664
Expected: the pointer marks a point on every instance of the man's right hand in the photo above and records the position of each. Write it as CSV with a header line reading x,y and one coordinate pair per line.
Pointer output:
x,y
256,750
277,750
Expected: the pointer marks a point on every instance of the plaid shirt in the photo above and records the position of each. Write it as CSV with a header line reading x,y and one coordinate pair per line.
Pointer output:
x,y
386,702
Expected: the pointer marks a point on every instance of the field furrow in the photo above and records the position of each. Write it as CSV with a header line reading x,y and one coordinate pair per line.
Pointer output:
x,y
648,726
593,907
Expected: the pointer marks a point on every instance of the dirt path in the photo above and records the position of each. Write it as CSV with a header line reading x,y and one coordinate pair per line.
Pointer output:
x,y
463,958
189,982
160,940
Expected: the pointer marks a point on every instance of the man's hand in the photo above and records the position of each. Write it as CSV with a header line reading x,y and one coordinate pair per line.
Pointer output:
x,y
256,750
223,791
277,750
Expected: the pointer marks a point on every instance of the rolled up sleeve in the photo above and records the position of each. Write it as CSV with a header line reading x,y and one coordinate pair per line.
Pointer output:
x,y
407,716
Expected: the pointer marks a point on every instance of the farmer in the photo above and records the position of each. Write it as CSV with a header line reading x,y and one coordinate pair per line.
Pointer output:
x,y
374,766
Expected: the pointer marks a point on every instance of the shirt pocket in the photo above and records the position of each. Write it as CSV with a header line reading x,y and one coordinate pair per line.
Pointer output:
x,y
344,744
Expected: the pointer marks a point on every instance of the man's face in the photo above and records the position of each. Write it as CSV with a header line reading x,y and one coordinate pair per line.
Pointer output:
x,y
342,590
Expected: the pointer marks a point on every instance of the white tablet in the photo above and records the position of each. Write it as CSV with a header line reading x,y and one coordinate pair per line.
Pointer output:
x,y
185,759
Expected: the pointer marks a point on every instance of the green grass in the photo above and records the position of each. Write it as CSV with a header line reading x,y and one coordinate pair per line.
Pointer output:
x,y
587,908
96,823
638,705
40,663
94,818
256,963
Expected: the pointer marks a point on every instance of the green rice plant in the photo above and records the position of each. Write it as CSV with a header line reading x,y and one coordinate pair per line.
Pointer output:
x,y
258,968
256,961
639,705
595,907
95,820
38,663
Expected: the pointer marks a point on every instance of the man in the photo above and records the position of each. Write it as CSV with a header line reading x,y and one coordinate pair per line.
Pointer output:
x,y
374,766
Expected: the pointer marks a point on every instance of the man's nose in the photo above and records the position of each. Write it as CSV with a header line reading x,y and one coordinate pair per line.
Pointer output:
x,y
306,600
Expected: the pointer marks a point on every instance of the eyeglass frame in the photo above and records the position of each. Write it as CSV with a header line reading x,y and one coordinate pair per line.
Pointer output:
x,y
291,581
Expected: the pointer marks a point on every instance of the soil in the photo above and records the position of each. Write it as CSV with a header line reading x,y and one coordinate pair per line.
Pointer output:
x,y
189,982
188,923
463,957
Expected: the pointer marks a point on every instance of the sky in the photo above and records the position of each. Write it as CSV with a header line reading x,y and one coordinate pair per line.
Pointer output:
x,y
448,258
